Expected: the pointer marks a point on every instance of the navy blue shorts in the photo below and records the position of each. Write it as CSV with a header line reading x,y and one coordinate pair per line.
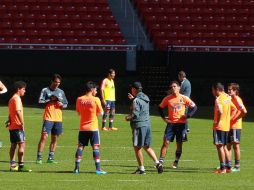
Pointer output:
x,y
175,130
17,136
220,137
51,127
234,136
142,137
85,136
110,105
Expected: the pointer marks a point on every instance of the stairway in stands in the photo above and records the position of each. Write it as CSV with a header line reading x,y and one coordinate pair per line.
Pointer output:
x,y
155,80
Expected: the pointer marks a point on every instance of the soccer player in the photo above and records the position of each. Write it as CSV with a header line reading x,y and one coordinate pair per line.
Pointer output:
x,y
16,128
224,110
236,124
3,88
141,127
185,89
108,100
54,100
175,121
89,107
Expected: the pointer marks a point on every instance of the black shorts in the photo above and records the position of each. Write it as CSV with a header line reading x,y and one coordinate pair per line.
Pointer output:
x,y
220,137
85,136
234,136
17,136
175,130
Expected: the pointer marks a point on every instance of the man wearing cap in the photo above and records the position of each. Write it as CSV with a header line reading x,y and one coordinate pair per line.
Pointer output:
x,y
139,118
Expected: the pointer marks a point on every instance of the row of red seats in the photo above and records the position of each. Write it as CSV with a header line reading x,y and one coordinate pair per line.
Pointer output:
x,y
70,40
58,25
97,2
201,18
193,35
201,27
52,16
165,3
62,33
55,8
196,11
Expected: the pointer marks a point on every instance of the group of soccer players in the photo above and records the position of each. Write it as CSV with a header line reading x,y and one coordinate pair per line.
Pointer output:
x,y
228,112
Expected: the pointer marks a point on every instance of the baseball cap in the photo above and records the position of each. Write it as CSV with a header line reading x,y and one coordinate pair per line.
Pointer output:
x,y
136,85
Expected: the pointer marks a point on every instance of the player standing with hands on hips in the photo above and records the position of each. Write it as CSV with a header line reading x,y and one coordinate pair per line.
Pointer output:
x,y
54,100
175,121
141,127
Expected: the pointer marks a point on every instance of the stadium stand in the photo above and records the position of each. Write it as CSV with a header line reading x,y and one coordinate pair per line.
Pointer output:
x,y
58,22
198,22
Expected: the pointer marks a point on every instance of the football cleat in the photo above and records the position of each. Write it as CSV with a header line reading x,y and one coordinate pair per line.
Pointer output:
x,y
138,171
76,171
24,169
100,172
14,169
175,165
38,162
112,129
52,161
159,168
234,169
219,171
104,129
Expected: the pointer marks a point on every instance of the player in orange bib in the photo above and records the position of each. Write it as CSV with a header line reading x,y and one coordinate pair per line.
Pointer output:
x,y
89,107
16,127
224,109
54,100
236,124
175,121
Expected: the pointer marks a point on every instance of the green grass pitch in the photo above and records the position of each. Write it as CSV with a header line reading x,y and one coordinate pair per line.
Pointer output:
x,y
198,160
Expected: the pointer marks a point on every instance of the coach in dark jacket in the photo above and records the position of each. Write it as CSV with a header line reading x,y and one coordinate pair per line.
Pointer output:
x,y
139,118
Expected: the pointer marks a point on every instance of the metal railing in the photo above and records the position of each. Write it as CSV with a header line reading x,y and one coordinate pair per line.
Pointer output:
x,y
87,47
189,48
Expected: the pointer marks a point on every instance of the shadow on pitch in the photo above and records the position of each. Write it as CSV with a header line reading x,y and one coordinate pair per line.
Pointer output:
x,y
189,170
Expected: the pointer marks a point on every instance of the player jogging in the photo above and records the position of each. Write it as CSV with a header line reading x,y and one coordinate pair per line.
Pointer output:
x,y
236,124
89,107
224,109
108,100
54,100
175,121
16,127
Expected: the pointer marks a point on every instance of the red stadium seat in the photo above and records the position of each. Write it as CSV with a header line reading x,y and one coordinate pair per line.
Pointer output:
x,y
58,21
212,22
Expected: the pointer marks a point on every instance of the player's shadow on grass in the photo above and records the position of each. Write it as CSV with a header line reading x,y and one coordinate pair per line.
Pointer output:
x,y
189,170
4,161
